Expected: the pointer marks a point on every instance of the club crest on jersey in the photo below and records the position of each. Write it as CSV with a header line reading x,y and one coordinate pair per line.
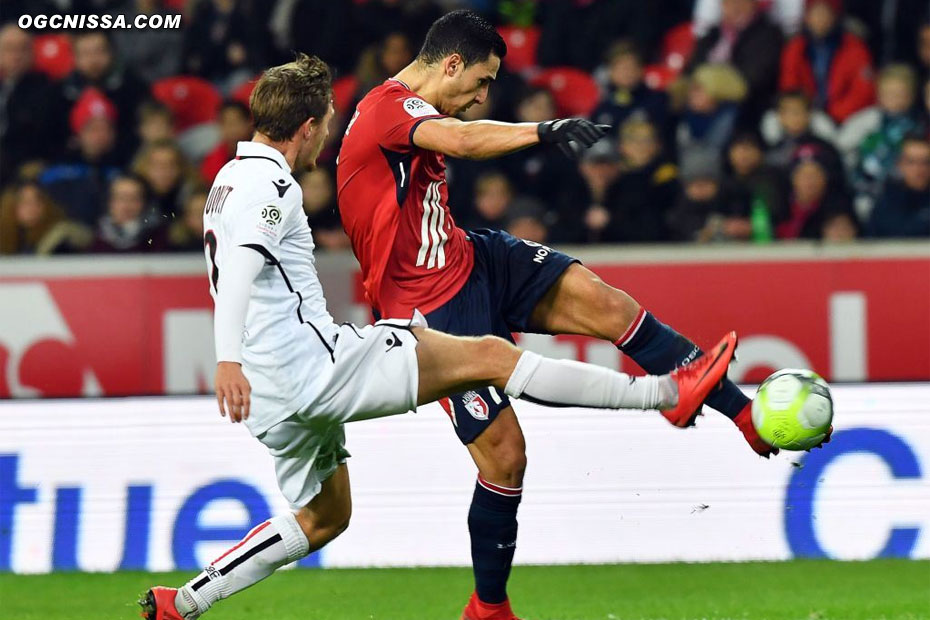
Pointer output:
x,y
475,405
271,215
416,107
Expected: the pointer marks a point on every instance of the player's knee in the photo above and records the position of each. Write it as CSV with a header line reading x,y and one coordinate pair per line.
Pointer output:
x,y
507,466
496,358
614,304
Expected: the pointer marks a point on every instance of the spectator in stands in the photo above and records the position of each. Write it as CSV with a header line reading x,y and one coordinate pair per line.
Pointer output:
x,y
79,180
710,115
627,94
702,213
526,220
755,192
923,51
185,234
235,123
223,44
904,208
816,209
319,194
787,14
832,66
493,195
128,225
599,168
889,27
167,175
870,139
637,201
31,223
383,60
332,37
153,53
96,66
747,39
373,20
31,114
156,123
538,172
577,33
794,123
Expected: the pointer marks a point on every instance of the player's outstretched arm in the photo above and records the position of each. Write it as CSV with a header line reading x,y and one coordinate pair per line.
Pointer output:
x,y
489,139
240,269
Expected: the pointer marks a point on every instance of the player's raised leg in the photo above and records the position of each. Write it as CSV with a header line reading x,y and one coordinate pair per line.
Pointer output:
x,y
451,364
581,303
270,545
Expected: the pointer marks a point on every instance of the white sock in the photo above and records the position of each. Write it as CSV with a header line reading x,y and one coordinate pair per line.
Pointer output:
x,y
566,382
267,547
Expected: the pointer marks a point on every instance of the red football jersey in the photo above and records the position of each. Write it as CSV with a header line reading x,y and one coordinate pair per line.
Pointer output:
x,y
393,202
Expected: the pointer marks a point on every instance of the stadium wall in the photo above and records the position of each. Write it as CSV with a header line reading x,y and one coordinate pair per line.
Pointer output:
x,y
162,483
115,326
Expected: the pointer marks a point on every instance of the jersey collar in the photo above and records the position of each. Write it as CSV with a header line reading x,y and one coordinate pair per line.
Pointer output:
x,y
246,150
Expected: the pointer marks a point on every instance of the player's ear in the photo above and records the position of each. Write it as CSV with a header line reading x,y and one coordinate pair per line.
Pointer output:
x,y
453,64
307,128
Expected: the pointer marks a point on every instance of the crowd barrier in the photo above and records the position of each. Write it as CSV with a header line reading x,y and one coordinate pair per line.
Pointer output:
x,y
114,326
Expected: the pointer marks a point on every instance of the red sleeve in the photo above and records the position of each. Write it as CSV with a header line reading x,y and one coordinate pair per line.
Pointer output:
x,y
397,116
860,86
792,66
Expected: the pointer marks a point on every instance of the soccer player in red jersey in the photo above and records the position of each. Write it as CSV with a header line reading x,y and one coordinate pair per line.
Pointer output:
x,y
393,201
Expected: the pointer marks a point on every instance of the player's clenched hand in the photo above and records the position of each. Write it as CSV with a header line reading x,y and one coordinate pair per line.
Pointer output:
x,y
232,391
571,135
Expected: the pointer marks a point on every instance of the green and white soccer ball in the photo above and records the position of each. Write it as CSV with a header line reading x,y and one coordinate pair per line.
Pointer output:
x,y
793,409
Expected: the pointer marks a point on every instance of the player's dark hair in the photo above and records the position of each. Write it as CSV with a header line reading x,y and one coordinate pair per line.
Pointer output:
x,y
287,95
913,138
795,95
464,33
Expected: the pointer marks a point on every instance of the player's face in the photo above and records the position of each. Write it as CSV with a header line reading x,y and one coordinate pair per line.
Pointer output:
x,y
466,86
319,131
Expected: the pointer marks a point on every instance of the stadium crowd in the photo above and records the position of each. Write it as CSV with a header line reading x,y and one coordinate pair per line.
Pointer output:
x,y
754,120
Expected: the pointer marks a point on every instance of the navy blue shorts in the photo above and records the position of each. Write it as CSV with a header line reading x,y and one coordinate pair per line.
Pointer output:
x,y
509,278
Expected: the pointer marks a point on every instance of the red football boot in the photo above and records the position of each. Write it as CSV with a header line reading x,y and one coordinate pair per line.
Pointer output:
x,y
158,604
479,610
697,379
743,421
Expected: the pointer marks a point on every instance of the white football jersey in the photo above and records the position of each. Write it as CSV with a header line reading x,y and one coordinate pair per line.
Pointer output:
x,y
255,202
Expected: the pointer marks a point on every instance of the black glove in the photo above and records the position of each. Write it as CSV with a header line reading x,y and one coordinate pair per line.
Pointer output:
x,y
571,135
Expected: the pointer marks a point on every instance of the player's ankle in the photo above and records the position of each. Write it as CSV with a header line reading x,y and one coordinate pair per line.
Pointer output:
x,y
668,392
187,605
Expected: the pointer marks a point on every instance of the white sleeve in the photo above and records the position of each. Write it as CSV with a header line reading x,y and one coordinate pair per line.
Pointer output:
x,y
241,267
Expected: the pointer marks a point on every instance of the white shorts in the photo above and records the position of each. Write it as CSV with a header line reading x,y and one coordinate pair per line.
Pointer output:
x,y
374,374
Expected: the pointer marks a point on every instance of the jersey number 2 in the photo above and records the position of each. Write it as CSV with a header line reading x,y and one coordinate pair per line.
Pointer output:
x,y
209,240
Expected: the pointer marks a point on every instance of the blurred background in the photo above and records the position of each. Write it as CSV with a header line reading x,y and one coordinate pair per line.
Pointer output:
x,y
768,170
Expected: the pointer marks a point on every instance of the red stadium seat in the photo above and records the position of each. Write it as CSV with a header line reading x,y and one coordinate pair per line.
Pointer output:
x,y
677,46
52,53
244,91
192,100
344,90
575,92
521,47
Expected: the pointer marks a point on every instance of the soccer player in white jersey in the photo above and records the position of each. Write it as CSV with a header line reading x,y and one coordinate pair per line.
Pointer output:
x,y
294,377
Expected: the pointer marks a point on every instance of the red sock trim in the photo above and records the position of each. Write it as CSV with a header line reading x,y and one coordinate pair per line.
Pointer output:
x,y
496,488
254,531
624,340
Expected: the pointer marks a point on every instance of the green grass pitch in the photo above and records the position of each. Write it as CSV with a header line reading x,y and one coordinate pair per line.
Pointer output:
x,y
803,590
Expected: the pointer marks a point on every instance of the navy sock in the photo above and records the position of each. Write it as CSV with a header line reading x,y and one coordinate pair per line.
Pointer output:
x,y
658,349
492,523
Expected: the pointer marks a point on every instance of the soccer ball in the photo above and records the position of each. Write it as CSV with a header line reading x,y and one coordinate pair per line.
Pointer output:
x,y
793,409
